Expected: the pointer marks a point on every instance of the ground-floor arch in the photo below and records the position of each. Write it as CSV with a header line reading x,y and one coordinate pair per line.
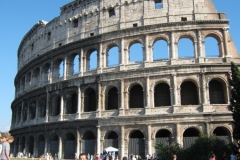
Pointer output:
x,y
136,144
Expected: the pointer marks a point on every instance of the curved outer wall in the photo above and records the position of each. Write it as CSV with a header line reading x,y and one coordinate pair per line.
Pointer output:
x,y
73,110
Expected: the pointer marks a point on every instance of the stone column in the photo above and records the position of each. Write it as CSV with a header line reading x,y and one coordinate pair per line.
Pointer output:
x,y
99,109
195,49
60,147
50,75
21,114
79,111
207,128
122,14
81,62
37,110
78,142
204,92
65,68
99,59
121,98
98,139
35,151
172,49
178,134
61,109
146,52
175,93
47,107
149,131
122,55
200,49
225,36
122,141
147,97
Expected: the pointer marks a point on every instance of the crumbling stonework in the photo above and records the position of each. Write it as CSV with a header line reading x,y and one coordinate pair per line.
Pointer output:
x,y
148,102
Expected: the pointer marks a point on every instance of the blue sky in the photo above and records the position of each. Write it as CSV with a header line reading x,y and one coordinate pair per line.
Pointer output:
x,y
19,16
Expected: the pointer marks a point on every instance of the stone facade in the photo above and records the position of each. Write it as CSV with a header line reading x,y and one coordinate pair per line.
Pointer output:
x,y
169,100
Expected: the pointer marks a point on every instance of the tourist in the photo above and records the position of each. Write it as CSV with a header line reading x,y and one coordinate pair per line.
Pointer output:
x,y
0,145
124,158
212,156
83,156
97,157
233,157
5,148
174,157
41,157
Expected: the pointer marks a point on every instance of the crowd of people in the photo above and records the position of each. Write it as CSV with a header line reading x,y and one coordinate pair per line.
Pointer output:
x,y
5,141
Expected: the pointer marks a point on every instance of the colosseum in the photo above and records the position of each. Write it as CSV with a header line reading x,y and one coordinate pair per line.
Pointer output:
x,y
110,73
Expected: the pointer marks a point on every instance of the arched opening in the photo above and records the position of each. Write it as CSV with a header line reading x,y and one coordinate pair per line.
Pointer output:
x,y
76,63
189,95
88,143
223,133
22,144
136,97
216,92
42,107
189,137
53,144
56,105
30,145
136,143
70,146
211,47
113,57
111,140
136,53
112,99
46,72
16,146
28,79
61,69
92,60
41,145
185,48
90,100
32,110
19,112
36,76
164,136
72,103
162,95
25,110
160,50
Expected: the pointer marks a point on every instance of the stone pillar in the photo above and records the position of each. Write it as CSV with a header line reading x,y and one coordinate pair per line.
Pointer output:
x,y
207,128
175,93
78,142
99,59
21,114
147,53
121,98
122,55
79,111
47,107
81,62
37,110
178,134
225,36
35,151
50,75
122,142
65,68
204,92
60,147
99,100
147,97
195,49
98,139
172,49
200,49
61,109
149,131
122,14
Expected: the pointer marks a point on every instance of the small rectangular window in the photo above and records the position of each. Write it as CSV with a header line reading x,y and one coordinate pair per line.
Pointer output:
x,y
183,18
75,23
111,12
91,34
158,4
135,25
60,44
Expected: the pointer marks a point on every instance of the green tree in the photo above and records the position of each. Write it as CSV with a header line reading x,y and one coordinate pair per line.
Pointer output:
x,y
166,152
235,105
200,150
